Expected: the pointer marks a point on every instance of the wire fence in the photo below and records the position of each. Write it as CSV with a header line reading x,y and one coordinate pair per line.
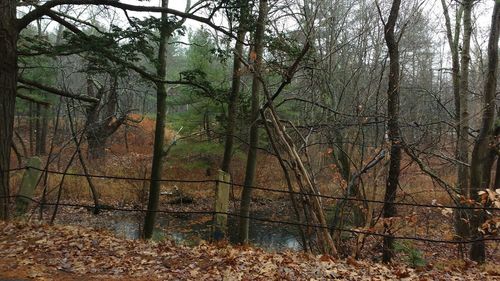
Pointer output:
x,y
265,220
274,190
333,228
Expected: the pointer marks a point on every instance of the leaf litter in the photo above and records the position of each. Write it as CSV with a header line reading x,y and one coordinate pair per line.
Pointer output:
x,y
42,252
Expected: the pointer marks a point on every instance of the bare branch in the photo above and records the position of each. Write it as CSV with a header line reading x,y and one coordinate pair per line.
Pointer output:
x,y
57,91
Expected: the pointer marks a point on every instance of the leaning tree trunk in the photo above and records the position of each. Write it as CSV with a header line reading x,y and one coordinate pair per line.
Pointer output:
x,y
311,202
161,112
389,209
246,196
482,156
8,82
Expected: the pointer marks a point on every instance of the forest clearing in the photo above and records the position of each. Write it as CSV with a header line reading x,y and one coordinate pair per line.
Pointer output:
x,y
249,140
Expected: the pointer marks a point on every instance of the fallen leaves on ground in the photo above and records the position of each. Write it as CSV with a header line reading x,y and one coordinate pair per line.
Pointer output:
x,y
42,252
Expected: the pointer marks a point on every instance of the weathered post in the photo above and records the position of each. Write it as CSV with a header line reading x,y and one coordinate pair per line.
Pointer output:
x,y
221,206
28,185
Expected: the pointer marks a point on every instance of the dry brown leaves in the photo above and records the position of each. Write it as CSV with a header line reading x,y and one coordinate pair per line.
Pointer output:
x,y
41,252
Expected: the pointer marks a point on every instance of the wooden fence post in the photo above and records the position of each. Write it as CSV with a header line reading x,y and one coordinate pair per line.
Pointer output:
x,y
221,206
28,185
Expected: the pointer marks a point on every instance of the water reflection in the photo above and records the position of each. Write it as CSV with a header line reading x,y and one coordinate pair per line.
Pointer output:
x,y
188,231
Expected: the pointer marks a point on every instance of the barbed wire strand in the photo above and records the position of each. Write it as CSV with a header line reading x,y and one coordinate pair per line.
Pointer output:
x,y
463,207
356,231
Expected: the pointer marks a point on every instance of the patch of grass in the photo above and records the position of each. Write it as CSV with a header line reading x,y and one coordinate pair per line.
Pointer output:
x,y
413,256
185,148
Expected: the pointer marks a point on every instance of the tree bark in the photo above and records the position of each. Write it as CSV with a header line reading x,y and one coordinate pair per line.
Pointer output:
x,y
496,184
41,129
463,133
8,83
389,209
161,111
482,156
246,196
31,129
235,89
44,129
102,119
460,225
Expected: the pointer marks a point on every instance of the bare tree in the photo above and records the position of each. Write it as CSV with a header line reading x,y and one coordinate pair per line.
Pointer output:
x,y
102,118
161,112
235,85
394,138
461,226
483,154
463,135
258,49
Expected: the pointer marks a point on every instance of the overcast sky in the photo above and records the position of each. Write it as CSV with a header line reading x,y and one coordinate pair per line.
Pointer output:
x,y
433,7
173,4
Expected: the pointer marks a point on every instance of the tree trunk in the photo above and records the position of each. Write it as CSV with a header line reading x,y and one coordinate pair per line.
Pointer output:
x,y
496,184
246,196
482,156
8,82
460,225
206,124
40,129
101,118
463,133
72,125
44,127
31,129
161,107
235,90
389,209
96,146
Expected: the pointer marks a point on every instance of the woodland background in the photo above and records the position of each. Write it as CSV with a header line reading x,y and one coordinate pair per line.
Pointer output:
x,y
372,125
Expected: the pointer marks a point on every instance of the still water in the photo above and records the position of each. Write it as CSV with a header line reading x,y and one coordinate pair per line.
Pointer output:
x,y
191,230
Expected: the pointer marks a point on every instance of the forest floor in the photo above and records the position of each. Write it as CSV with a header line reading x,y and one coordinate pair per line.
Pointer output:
x,y
41,252
82,246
